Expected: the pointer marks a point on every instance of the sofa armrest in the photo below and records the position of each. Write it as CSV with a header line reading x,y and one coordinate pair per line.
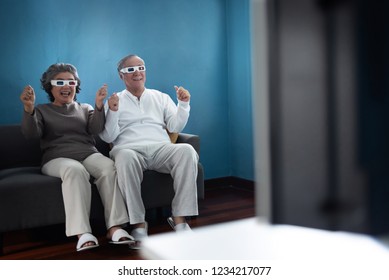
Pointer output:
x,y
191,139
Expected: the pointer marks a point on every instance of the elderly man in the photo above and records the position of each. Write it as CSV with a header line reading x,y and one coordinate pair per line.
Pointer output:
x,y
138,121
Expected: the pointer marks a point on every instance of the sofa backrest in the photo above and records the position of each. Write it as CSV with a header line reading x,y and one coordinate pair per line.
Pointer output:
x,y
16,150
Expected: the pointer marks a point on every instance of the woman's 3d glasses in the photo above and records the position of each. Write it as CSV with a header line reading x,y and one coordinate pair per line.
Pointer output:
x,y
132,69
61,83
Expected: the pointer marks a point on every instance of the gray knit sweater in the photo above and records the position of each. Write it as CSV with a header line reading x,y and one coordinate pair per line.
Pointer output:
x,y
65,131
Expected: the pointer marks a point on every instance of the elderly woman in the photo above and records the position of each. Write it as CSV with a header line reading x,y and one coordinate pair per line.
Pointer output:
x,y
66,128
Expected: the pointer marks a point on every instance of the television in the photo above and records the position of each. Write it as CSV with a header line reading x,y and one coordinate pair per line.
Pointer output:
x,y
320,103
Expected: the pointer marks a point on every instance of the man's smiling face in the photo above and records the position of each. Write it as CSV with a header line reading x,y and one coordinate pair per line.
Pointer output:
x,y
135,82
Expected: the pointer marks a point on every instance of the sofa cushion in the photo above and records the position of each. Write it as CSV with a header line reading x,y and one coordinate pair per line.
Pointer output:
x,y
36,203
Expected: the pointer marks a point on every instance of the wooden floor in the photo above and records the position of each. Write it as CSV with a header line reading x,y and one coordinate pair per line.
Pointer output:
x,y
221,204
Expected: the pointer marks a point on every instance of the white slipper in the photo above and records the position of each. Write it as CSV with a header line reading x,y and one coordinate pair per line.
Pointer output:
x,y
85,238
182,227
139,235
171,222
119,234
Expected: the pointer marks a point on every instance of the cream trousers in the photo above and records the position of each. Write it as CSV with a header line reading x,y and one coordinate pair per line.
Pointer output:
x,y
179,160
77,192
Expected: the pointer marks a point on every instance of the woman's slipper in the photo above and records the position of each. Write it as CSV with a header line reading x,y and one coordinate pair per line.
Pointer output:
x,y
120,236
84,239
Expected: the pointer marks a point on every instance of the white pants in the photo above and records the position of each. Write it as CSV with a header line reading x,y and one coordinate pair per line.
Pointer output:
x,y
179,160
77,192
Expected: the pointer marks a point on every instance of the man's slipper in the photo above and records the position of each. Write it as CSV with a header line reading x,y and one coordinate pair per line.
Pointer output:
x,y
171,223
183,227
85,238
139,234
120,236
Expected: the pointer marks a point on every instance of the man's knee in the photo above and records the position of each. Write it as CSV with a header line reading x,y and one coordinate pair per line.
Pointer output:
x,y
187,151
127,159
124,155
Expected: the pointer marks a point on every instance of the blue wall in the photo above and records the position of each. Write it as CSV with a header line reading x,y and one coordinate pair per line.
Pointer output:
x,y
239,88
203,45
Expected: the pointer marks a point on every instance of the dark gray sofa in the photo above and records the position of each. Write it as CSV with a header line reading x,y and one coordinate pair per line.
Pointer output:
x,y
29,199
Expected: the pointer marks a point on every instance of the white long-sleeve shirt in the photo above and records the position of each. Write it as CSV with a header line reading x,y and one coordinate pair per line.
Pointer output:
x,y
144,121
